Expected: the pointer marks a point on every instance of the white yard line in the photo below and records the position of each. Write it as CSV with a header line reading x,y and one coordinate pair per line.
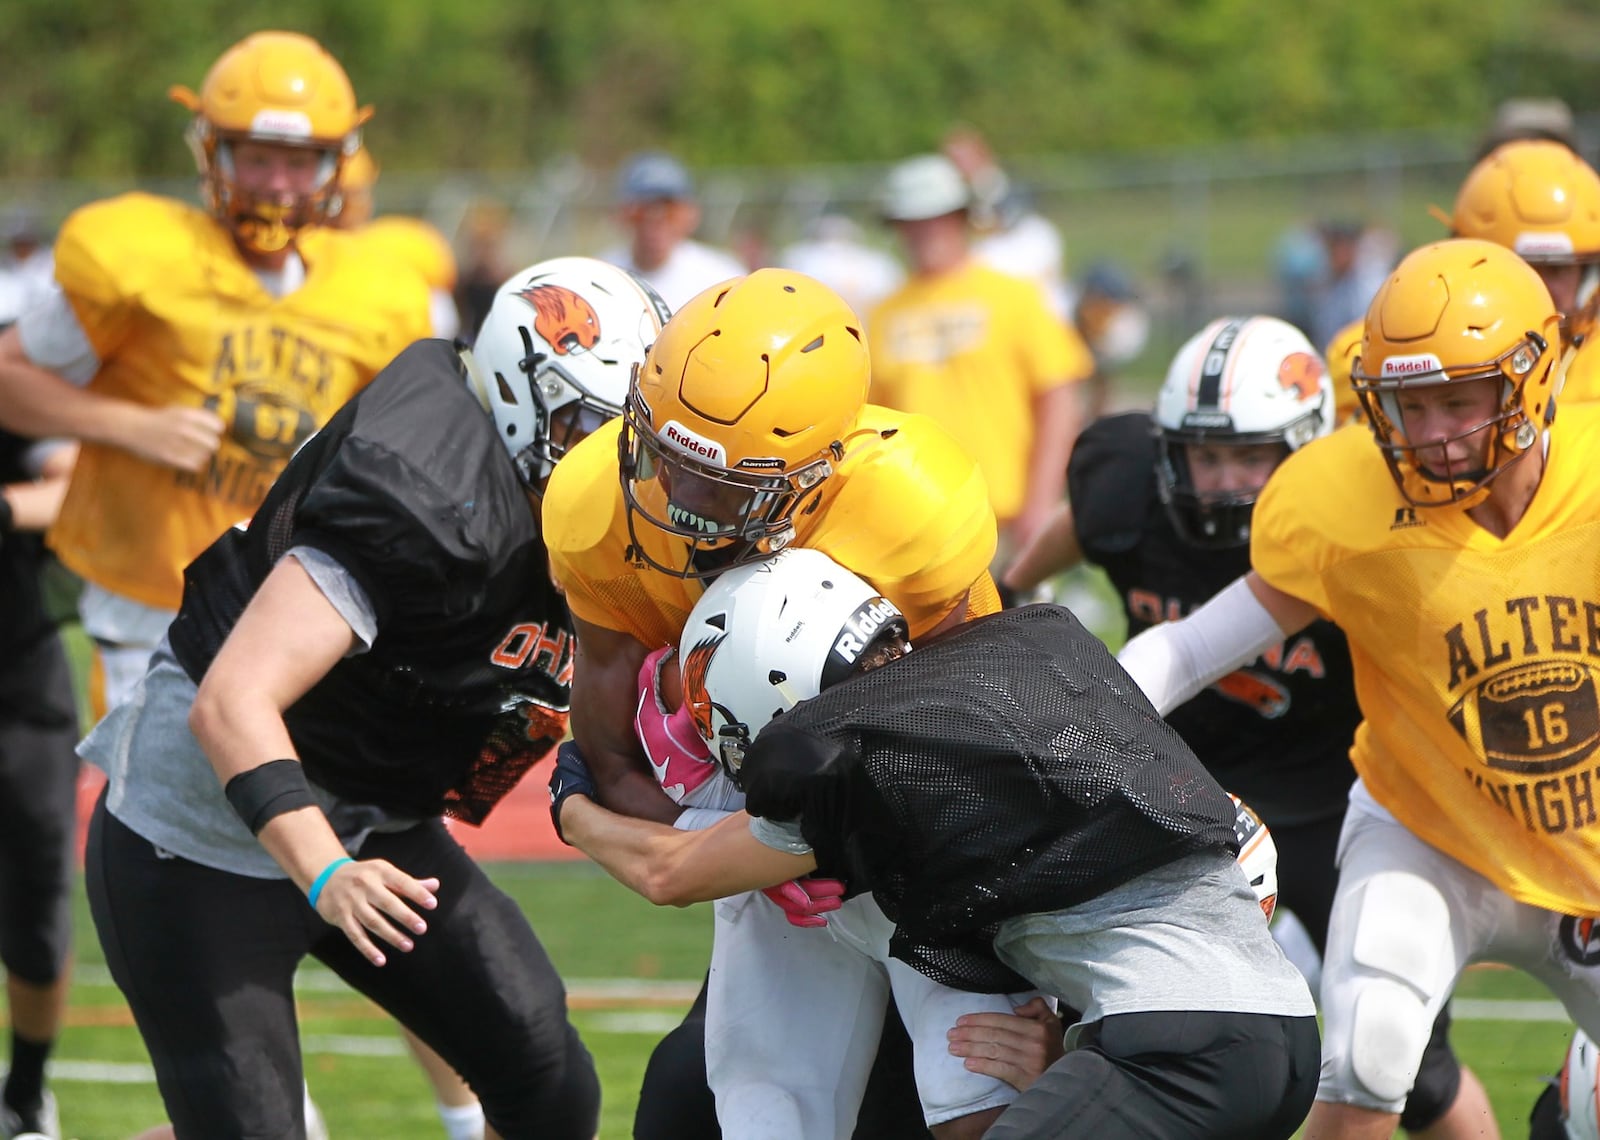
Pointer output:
x,y
656,1023
317,980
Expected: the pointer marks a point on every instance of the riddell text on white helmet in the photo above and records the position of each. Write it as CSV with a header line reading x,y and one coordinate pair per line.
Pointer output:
x,y
691,443
1413,365
862,626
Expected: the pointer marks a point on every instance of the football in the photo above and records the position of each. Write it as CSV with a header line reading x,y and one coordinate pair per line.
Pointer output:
x,y
1539,717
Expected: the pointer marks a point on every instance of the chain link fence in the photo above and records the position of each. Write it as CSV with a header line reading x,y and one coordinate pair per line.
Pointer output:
x,y
1200,231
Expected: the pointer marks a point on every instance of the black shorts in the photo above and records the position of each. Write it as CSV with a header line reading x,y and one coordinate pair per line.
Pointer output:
x,y
38,793
206,959
1183,1076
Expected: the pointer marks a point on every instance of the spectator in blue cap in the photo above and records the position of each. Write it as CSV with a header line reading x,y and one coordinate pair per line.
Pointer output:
x,y
656,202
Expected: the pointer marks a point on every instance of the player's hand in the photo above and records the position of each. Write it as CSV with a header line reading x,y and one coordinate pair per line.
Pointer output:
x,y
804,901
175,436
570,778
369,897
1014,1048
677,754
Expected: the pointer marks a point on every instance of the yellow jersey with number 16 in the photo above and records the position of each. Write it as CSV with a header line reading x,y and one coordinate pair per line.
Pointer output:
x,y
1477,658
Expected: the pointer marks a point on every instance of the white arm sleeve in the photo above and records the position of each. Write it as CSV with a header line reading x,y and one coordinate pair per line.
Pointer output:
x,y
1173,661
53,338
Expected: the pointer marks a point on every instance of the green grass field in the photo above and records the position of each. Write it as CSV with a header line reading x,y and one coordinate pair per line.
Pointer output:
x,y
632,970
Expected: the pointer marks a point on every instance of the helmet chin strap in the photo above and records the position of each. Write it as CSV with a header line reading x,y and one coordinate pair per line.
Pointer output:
x,y
477,382
786,691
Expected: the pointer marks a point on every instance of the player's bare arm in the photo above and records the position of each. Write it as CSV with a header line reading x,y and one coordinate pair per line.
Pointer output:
x,y
287,639
605,690
37,403
35,504
1056,419
676,868
1291,614
1052,549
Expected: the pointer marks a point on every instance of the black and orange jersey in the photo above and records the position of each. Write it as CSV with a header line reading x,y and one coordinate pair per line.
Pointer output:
x,y
468,681
1275,732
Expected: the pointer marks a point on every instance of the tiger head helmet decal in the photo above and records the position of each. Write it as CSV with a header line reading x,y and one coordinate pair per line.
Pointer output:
x,y
567,321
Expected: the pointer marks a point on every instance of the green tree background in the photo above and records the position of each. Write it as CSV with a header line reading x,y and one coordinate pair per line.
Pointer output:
x,y
501,84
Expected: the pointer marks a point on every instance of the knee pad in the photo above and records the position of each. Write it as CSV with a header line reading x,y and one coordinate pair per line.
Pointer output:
x,y
1389,1031
1398,953
1394,908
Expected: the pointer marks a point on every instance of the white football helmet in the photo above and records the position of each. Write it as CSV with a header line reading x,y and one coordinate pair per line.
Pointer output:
x,y
553,359
767,635
1258,854
1238,381
1580,1094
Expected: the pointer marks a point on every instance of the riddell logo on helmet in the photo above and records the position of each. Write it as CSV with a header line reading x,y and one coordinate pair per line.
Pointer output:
x,y
689,443
1542,245
1414,365
281,124
862,626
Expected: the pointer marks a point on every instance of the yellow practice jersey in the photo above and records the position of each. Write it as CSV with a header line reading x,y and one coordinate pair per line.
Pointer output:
x,y
177,317
413,242
1476,658
906,510
972,349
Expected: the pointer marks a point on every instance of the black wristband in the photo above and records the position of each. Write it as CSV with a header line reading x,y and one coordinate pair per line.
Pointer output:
x,y
263,793
8,520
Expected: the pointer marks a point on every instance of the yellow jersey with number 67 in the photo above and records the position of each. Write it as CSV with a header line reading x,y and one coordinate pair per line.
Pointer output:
x,y
1476,658
906,509
176,316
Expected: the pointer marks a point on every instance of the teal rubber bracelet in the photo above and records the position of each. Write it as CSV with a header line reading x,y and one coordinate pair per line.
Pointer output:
x,y
322,880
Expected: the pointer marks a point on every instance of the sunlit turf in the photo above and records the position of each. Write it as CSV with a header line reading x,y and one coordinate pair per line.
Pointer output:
x,y
595,931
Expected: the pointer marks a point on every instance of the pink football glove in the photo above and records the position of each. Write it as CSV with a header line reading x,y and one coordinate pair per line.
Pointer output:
x,y
805,901
678,756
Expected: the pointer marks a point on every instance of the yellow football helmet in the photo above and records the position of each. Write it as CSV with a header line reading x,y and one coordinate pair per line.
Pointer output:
x,y
1542,201
1454,312
280,88
739,413
1340,354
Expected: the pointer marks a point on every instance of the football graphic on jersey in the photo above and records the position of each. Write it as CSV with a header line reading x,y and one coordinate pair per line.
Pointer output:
x,y
1541,716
